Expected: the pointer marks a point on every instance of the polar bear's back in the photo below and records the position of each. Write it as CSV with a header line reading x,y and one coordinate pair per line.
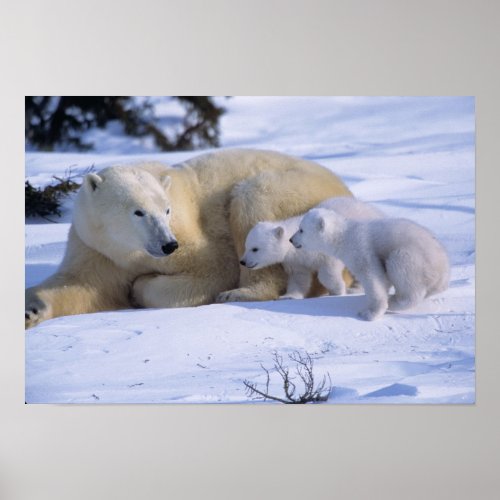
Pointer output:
x,y
226,167
395,235
351,208
390,233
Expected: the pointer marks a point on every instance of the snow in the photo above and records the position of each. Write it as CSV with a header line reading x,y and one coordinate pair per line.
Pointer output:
x,y
411,157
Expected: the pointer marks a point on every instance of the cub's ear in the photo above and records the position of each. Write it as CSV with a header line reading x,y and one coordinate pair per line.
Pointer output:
x,y
166,181
92,181
278,232
320,224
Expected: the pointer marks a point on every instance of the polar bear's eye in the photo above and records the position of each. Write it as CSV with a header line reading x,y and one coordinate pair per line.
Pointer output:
x,y
301,230
139,213
254,249
168,211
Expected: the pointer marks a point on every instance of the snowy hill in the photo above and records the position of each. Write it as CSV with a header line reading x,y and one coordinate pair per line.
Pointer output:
x,y
411,157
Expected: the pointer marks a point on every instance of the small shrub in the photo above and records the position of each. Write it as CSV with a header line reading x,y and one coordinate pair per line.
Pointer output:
x,y
40,202
304,370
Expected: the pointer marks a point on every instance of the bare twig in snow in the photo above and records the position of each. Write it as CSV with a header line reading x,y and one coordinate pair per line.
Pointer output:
x,y
304,365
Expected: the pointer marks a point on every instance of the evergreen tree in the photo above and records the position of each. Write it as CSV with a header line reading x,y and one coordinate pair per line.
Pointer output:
x,y
61,121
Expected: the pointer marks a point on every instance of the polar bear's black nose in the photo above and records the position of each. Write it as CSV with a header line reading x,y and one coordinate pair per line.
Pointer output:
x,y
170,247
243,263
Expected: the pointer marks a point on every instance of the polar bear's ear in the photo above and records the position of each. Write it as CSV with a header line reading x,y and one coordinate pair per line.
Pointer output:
x,y
320,224
166,181
92,181
278,232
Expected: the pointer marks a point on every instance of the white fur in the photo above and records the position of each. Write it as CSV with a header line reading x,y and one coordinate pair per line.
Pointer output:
x,y
113,258
351,208
268,243
380,253
108,210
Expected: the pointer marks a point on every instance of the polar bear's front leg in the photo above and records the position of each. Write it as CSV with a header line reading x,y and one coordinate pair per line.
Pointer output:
x,y
330,276
36,309
61,295
299,284
264,284
179,290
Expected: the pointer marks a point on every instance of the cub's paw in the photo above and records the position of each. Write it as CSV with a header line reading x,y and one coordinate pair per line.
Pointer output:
x,y
397,303
290,297
35,312
370,314
339,289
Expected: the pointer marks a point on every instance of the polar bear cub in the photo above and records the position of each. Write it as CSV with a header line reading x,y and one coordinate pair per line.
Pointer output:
x,y
268,243
380,253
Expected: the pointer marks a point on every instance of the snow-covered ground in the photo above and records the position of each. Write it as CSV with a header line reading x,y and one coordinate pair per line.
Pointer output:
x,y
411,157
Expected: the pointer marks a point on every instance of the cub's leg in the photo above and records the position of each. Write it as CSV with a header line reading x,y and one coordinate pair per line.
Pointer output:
x,y
299,284
406,276
330,276
376,285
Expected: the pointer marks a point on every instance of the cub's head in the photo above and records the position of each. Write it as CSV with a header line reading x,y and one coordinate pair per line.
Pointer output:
x,y
124,212
316,229
265,245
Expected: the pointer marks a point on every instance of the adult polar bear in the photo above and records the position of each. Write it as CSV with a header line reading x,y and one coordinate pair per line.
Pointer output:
x,y
122,245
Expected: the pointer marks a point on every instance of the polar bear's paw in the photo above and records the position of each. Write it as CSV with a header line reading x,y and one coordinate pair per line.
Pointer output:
x,y
35,311
240,295
370,314
290,296
338,289
400,303
236,295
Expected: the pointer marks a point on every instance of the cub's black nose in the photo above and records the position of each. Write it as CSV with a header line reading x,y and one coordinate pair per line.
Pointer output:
x,y
168,248
243,263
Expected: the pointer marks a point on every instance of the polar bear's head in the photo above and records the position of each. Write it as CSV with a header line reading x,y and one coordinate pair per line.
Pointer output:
x,y
124,212
318,230
265,245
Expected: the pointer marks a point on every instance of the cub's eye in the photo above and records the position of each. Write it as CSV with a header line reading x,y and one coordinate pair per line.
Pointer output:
x,y
168,211
254,249
301,230
139,213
